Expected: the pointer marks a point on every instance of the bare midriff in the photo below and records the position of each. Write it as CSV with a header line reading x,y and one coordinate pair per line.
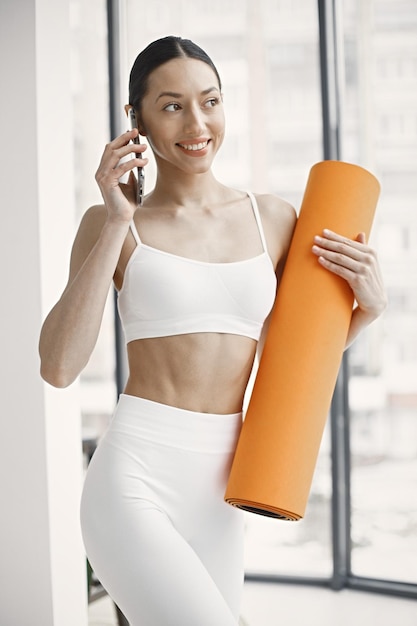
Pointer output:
x,y
203,372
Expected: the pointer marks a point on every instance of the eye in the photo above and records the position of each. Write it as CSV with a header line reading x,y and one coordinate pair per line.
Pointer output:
x,y
212,102
173,106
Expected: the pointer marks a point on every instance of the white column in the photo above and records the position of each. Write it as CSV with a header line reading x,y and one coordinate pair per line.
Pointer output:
x,y
42,562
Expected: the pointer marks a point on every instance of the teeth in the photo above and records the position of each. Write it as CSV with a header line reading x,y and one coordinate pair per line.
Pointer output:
x,y
195,146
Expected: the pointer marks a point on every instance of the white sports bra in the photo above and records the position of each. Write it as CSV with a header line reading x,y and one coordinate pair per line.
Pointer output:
x,y
165,294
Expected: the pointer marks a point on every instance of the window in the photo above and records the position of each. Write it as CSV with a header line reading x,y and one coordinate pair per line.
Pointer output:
x,y
268,57
382,135
89,77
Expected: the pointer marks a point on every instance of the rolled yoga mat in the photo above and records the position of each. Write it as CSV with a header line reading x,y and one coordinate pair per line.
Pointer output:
x,y
280,439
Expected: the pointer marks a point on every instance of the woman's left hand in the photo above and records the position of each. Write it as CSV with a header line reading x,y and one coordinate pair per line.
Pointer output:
x,y
357,263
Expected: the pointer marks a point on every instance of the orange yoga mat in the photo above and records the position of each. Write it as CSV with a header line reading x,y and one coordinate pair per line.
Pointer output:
x,y
279,443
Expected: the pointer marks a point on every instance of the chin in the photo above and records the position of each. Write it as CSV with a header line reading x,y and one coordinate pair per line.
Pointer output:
x,y
201,170
197,167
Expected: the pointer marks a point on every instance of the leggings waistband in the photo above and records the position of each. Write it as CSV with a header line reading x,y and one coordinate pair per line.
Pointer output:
x,y
173,426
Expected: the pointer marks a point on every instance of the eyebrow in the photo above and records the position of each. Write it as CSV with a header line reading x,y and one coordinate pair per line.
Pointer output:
x,y
174,94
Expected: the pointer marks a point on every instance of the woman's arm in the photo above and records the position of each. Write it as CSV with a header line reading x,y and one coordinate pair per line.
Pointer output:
x,y
357,263
70,331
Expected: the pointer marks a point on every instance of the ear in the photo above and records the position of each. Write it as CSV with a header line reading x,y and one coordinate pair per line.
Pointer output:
x,y
140,125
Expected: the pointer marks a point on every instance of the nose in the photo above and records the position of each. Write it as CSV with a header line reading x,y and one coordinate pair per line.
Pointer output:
x,y
193,122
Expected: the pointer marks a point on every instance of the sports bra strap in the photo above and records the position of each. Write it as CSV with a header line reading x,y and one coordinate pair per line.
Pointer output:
x,y
135,232
255,209
258,219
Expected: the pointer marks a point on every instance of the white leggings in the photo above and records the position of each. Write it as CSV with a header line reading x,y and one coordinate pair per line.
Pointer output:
x,y
157,532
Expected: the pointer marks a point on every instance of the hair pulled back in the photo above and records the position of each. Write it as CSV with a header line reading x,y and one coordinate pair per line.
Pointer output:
x,y
157,53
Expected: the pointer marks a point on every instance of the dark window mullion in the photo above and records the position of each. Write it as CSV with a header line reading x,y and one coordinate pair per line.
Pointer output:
x,y
339,413
115,105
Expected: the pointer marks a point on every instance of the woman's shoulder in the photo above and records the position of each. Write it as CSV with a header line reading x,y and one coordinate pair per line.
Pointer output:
x,y
274,207
278,219
278,215
89,229
94,217
92,222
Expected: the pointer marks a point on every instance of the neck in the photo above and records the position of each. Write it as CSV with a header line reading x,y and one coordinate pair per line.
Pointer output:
x,y
178,189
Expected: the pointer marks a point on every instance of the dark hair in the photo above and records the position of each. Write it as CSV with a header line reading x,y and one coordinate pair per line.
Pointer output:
x,y
157,53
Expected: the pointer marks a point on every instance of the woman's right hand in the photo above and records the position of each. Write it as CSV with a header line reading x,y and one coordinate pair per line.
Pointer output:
x,y
120,200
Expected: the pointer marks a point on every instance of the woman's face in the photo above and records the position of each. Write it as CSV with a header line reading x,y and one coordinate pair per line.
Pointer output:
x,y
182,115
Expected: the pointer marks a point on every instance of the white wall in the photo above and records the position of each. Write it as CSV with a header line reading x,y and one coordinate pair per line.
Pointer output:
x,y
42,563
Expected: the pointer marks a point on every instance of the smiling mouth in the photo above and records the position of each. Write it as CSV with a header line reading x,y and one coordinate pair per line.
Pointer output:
x,y
193,147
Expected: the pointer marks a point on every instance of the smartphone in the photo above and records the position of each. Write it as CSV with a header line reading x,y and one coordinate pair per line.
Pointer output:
x,y
141,174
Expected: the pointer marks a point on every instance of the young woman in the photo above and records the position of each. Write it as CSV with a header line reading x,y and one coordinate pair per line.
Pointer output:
x,y
196,267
